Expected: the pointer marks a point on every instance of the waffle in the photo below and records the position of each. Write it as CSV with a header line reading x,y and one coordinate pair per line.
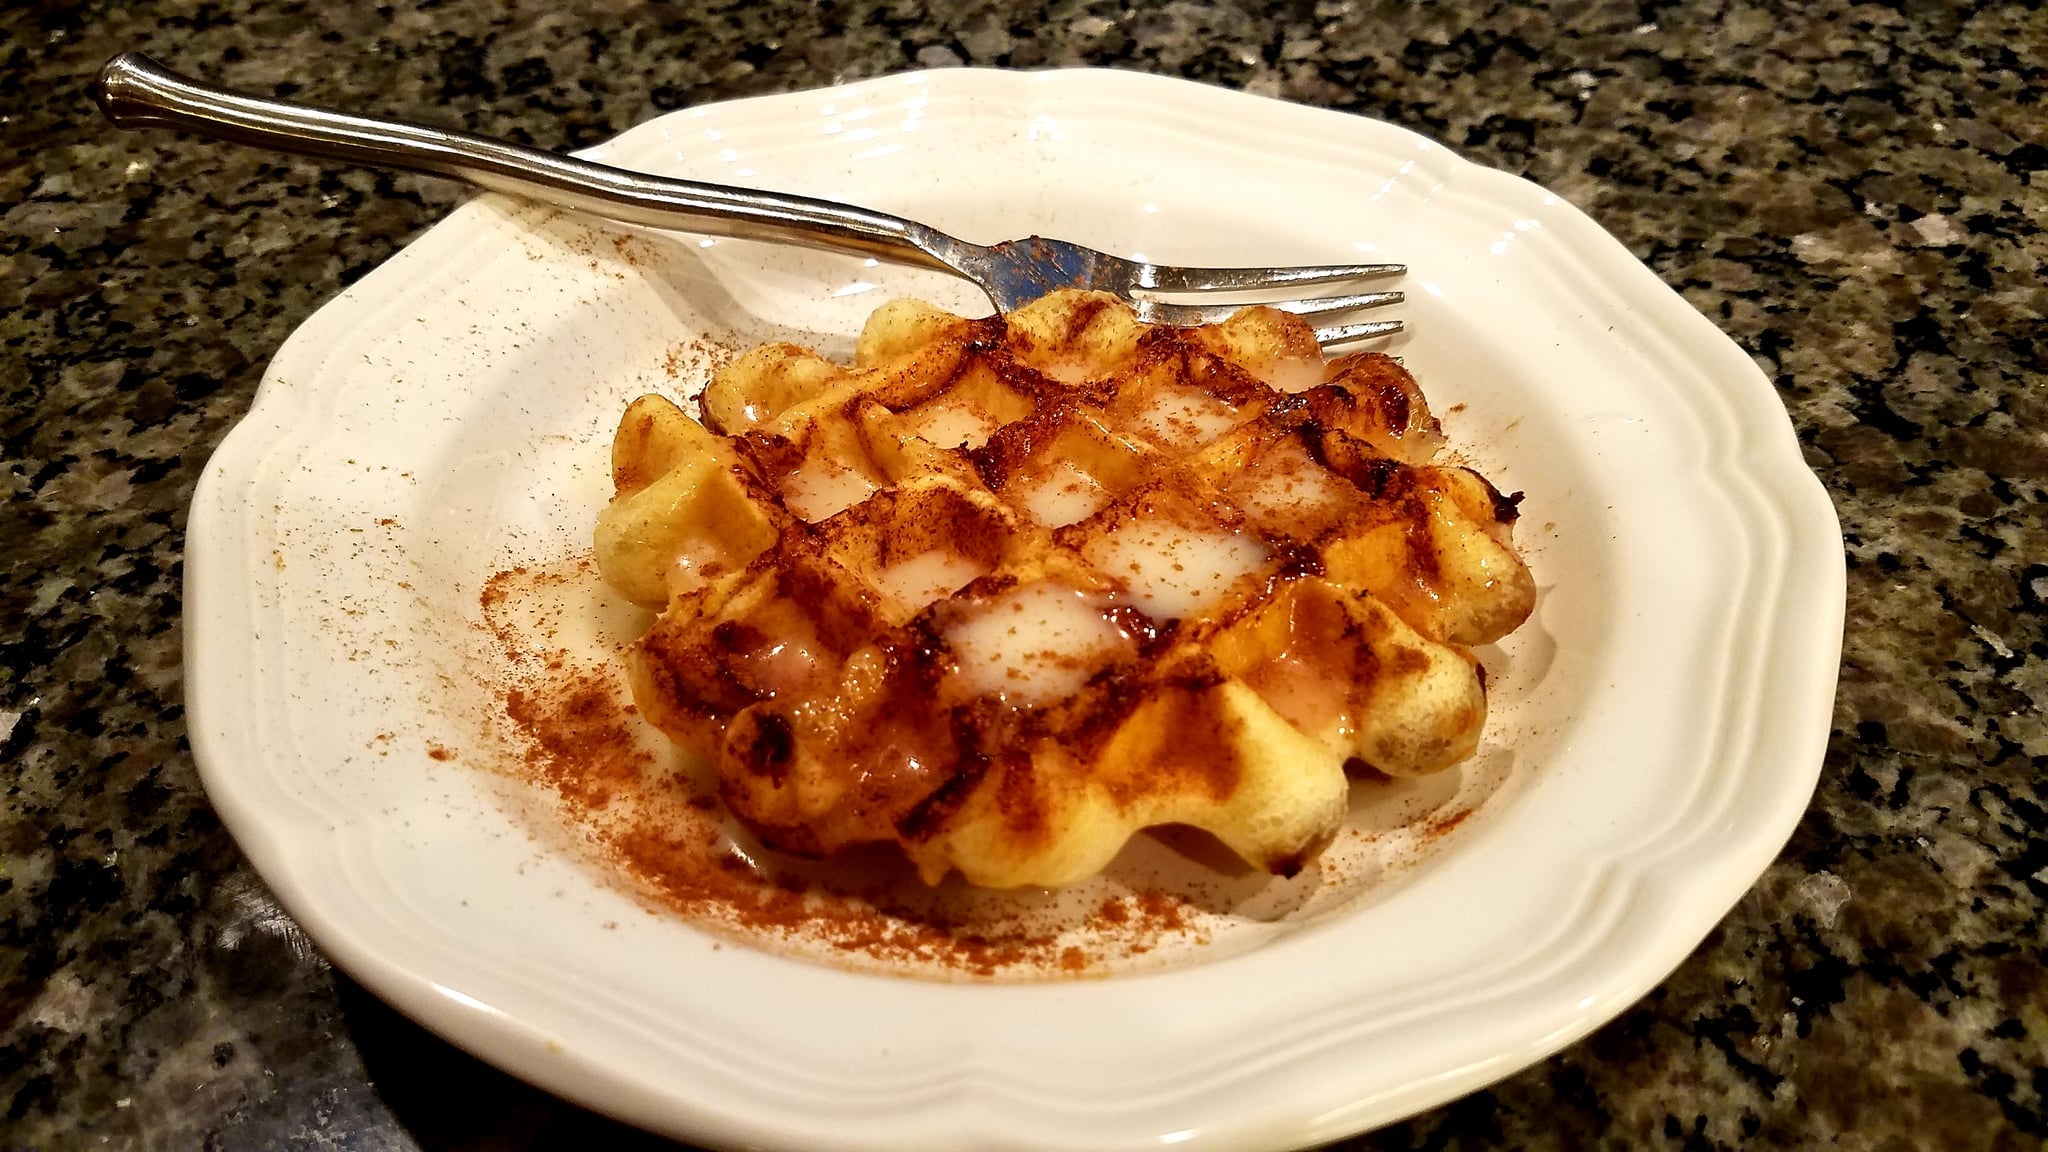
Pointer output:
x,y
1008,590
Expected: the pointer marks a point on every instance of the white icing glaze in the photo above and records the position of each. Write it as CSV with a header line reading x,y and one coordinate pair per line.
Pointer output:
x,y
1063,495
951,425
821,488
1286,483
1069,371
926,578
1291,375
1184,418
1035,643
1170,571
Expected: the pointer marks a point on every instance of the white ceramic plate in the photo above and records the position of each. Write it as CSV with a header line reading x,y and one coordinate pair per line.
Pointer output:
x,y
1664,714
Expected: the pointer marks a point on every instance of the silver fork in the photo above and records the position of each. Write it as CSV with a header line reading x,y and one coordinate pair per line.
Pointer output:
x,y
135,91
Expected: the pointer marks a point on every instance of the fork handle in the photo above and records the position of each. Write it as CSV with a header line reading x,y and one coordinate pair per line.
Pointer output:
x,y
134,91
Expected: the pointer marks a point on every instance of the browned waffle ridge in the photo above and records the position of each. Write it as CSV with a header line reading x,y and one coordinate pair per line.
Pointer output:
x,y
1005,591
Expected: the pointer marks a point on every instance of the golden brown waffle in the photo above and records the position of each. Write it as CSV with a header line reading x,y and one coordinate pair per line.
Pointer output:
x,y
1008,590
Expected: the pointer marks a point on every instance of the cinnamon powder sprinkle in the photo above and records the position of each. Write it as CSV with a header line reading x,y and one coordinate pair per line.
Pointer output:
x,y
696,356
1441,826
665,829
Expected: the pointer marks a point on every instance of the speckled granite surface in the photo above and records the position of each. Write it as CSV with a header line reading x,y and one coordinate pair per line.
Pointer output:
x,y
1858,195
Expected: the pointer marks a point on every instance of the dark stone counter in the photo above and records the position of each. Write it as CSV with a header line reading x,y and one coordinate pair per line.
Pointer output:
x,y
1858,195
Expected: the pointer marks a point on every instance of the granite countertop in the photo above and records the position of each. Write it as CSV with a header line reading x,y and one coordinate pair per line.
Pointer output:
x,y
1858,195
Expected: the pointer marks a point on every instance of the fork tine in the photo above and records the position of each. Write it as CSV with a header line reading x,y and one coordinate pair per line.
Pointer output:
x,y
1164,278
1158,312
1346,333
1324,305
